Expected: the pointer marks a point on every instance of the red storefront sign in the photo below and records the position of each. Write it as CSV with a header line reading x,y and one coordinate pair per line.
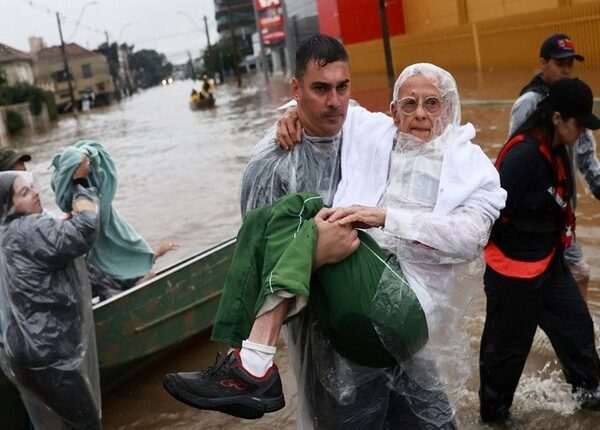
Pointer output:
x,y
267,4
270,21
273,37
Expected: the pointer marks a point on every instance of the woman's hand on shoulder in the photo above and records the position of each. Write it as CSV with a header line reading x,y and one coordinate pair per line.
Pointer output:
x,y
289,129
359,216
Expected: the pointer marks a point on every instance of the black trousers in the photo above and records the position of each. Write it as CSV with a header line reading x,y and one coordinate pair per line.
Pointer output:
x,y
515,308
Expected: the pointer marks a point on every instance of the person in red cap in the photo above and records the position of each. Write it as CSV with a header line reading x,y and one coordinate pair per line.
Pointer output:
x,y
527,280
557,57
13,160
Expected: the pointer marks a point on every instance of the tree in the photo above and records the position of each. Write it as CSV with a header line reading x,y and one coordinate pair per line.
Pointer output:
x,y
111,52
149,67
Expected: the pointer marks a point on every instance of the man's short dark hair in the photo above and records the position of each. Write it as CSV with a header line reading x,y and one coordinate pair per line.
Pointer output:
x,y
322,49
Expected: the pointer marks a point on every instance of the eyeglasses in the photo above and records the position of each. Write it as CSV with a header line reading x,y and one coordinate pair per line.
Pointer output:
x,y
409,105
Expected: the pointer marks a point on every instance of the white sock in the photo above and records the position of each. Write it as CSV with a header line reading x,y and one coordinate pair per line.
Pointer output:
x,y
257,358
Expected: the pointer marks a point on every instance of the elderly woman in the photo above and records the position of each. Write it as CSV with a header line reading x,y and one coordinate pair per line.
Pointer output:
x,y
47,342
440,200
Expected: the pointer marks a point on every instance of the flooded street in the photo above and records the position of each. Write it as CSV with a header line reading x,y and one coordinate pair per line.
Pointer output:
x,y
179,176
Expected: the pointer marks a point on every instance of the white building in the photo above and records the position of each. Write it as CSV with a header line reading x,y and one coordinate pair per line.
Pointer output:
x,y
15,66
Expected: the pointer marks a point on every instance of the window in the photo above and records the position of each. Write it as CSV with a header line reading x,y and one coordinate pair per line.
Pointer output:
x,y
60,76
86,69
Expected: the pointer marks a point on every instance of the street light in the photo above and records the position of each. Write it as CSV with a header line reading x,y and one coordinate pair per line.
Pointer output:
x,y
92,3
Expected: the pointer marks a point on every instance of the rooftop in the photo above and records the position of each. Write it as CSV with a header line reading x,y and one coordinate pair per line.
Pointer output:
x,y
53,52
8,54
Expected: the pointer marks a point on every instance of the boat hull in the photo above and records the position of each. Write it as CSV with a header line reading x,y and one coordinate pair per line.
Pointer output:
x,y
206,103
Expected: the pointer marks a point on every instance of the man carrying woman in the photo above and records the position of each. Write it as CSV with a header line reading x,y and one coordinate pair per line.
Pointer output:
x,y
432,229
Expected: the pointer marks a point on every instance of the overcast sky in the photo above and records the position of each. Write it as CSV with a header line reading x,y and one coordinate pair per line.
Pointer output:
x,y
147,24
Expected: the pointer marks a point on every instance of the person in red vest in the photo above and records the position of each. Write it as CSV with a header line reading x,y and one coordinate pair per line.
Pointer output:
x,y
527,280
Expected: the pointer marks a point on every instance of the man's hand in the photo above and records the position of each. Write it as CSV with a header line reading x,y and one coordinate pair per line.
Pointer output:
x,y
335,241
359,216
289,129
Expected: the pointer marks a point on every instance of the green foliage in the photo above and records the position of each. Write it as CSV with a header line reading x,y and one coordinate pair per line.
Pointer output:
x,y
25,93
149,67
219,57
50,105
14,121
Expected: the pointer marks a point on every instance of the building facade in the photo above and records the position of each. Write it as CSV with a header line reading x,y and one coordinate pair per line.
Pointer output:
x,y
237,17
90,74
478,34
16,66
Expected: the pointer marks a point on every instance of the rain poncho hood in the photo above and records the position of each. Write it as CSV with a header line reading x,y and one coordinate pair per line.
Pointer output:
x,y
47,341
7,180
119,250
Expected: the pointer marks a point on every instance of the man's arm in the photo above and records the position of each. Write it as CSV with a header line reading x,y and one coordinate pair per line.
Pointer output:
x,y
522,109
587,162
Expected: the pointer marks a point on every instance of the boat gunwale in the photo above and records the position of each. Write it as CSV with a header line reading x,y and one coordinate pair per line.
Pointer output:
x,y
184,262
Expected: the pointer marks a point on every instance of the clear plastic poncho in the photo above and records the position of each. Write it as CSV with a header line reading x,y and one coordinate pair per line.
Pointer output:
x,y
47,340
440,257
272,172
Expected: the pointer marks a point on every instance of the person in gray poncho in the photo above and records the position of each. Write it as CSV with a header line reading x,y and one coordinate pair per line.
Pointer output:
x,y
557,59
47,342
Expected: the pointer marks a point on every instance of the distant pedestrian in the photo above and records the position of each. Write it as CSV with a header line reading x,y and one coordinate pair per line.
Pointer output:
x,y
557,57
527,281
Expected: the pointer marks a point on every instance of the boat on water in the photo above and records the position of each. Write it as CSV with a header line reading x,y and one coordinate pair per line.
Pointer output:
x,y
205,103
136,325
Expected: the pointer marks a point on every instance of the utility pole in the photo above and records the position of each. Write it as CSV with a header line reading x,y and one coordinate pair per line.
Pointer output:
x,y
66,64
209,54
113,72
206,29
385,35
193,72
263,57
234,47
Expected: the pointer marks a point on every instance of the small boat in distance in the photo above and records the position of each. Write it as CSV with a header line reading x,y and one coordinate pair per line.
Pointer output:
x,y
204,97
136,325
205,103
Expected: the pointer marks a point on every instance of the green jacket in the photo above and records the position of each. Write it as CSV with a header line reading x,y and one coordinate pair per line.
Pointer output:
x,y
363,304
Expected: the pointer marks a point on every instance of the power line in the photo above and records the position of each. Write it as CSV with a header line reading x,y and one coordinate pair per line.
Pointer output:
x,y
168,36
49,11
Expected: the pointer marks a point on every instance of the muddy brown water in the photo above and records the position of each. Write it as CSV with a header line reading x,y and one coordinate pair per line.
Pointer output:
x,y
179,176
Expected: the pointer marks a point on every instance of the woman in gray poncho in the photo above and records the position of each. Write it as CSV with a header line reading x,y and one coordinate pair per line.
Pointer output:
x,y
47,342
